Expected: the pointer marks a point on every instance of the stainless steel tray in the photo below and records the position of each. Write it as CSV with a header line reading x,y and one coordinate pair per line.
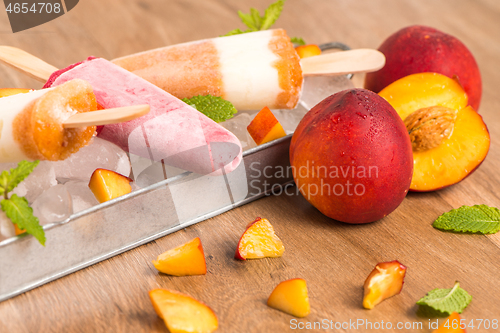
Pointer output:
x,y
124,223
161,207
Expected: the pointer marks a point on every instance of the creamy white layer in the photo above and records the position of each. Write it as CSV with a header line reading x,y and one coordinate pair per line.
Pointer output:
x,y
248,74
10,107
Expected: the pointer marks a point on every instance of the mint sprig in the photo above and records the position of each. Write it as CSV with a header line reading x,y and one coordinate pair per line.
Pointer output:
x,y
214,107
475,219
298,41
257,22
447,301
17,208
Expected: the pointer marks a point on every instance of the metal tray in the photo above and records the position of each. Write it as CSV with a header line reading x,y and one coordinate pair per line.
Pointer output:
x,y
158,209
113,227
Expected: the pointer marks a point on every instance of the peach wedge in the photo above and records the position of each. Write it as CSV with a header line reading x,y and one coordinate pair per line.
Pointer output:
x,y
291,297
265,127
4,92
449,139
186,259
182,313
259,241
306,51
386,280
107,184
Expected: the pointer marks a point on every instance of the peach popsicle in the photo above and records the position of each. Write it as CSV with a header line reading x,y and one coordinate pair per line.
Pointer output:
x,y
172,132
251,70
31,124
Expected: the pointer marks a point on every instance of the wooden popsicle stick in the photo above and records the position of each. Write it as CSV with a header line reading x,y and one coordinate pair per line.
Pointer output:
x,y
343,62
26,63
338,63
107,116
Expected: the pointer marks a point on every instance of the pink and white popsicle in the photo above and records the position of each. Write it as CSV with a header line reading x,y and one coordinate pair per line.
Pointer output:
x,y
172,132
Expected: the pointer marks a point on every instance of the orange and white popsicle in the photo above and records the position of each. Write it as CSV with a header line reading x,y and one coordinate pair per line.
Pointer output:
x,y
31,124
172,132
251,70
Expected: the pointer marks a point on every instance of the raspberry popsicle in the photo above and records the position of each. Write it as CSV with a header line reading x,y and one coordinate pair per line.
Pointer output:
x,y
31,124
251,70
172,132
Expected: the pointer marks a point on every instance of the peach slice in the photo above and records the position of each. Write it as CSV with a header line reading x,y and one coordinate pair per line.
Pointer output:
x,y
386,280
449,139
4,92
265,127
107,184
18,231
452,324
186,259
310,50
291,297
259,241
182,313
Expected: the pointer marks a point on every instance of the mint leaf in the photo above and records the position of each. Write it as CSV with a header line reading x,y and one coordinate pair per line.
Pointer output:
x,y
9,180
248,20
255,22
235,32
20,213
214,107
298,41
257,19
476,219
273,12
446,300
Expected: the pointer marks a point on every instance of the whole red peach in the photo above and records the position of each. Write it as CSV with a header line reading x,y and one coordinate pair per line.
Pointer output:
x,y
418,49
351,157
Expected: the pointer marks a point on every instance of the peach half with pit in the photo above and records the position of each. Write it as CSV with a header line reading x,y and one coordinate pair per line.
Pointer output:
x,y
351,157
449,139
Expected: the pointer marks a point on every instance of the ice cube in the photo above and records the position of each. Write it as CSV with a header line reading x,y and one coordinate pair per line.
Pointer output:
x,y
99,154
53,205
155,173
7,229
317,88
41,179
81,195
238,126
289,119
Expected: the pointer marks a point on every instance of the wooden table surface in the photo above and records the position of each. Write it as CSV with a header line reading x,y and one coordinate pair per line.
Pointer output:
x,y
333,257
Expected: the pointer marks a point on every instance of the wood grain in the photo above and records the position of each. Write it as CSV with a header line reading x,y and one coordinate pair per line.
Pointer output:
x,y
334,258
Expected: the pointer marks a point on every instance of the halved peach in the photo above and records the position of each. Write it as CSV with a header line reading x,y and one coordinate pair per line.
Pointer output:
x,y
452,324
107,184
186,259
265,127
386,280
259,241
4,92
182,313
310,50
291,297
449,139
